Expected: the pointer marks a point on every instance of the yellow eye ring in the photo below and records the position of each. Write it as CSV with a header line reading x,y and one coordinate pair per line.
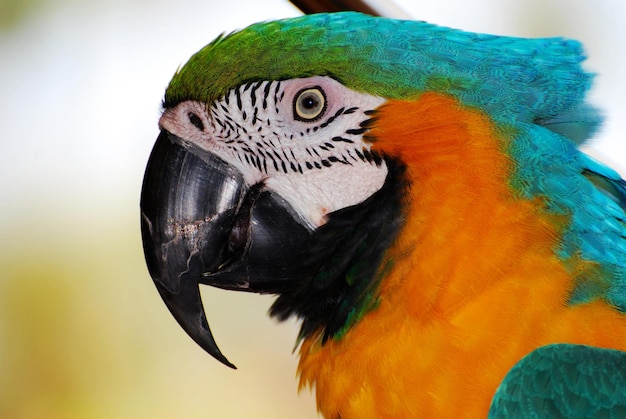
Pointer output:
x,y
309,104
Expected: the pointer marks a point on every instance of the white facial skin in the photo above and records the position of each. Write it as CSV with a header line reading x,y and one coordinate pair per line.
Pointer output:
x,y
302,138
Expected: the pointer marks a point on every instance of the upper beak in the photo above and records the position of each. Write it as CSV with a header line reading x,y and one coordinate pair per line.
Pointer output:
x,y
201,223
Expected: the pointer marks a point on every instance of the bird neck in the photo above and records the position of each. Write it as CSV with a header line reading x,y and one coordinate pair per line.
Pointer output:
x,y
472,282
460,204
458,207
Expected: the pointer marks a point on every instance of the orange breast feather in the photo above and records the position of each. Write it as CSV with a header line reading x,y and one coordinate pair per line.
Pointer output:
x,y
475,283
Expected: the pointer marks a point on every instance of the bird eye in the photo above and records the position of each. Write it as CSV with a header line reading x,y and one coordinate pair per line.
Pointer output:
x,y
309,104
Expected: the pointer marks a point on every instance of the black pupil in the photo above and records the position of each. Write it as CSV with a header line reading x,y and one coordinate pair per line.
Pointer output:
x,y
309,102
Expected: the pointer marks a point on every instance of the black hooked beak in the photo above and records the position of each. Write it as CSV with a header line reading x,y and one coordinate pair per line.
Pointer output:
x,y
201,223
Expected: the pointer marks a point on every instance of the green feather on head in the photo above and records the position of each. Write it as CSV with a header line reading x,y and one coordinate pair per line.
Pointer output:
x,y
511,78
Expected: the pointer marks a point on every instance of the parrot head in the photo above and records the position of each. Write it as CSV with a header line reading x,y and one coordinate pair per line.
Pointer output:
x,y
266,177
262,179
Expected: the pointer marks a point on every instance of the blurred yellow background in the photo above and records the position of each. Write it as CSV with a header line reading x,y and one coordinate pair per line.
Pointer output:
x,y
83,332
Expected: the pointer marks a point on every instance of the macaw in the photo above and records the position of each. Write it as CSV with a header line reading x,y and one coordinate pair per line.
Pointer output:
x,y
416,197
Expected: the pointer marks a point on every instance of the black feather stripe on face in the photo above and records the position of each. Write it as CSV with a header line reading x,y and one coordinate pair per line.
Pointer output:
x,y
230,116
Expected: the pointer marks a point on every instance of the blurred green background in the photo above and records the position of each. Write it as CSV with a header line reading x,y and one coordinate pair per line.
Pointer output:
x,y
83,333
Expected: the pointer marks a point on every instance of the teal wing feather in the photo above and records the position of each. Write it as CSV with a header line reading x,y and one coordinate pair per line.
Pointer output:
x,y
564,381
602,229
549,168
607,181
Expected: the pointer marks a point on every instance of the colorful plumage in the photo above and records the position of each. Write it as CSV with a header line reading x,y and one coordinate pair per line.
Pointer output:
x,y
415,195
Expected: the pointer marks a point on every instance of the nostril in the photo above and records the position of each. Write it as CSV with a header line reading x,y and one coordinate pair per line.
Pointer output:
x,y
195,121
